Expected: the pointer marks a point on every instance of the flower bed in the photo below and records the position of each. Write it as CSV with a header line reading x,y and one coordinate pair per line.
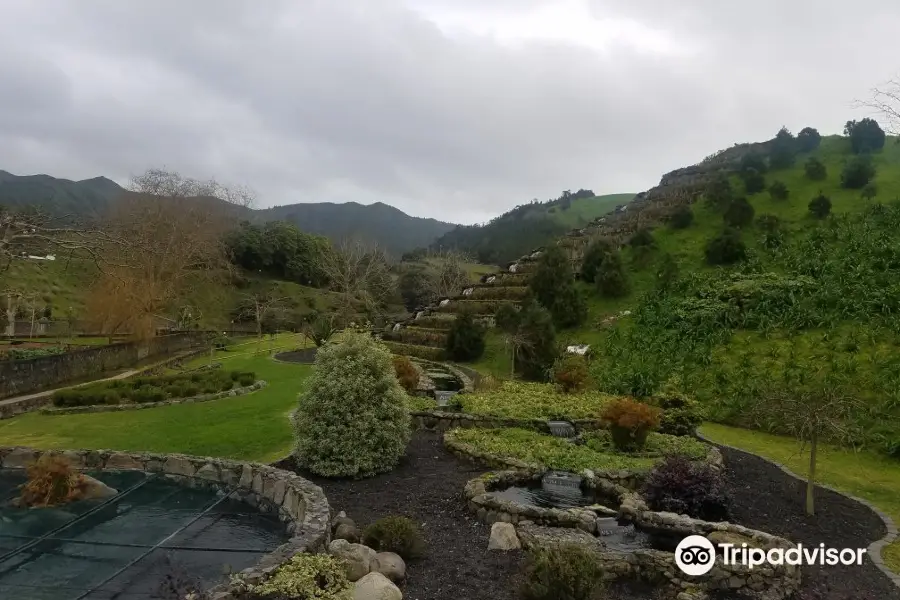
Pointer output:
x,y
143,390
519,400
95,408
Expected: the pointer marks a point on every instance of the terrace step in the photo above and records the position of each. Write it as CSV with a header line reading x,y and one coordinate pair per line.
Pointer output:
x,y
416,351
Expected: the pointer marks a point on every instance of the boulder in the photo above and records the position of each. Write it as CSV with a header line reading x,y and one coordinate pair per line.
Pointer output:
x,y
376,586
346,531
503,537
390,565
357,557
92,489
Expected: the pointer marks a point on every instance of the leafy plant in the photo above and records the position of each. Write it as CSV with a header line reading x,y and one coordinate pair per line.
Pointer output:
x,y
681,415
778,190
521,400
739,213
687,487
305,576
352,419
465,342
611,278
571,374
406,373
857,173
563,572
630,422
815,169
400,535
726,248
682,218
553,285
820,206
593,257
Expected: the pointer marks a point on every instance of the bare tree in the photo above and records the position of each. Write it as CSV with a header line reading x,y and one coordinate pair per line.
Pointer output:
x,y
809,405
449,276
24,233
170,236
886,101
359,274
260,306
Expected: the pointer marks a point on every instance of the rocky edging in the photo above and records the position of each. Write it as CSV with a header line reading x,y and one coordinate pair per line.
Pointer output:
x,y
435,420
875,548
539,527
298,503
98,408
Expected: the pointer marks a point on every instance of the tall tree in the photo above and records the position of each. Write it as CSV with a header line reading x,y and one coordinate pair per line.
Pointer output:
x,y
553,284
359,274
168,236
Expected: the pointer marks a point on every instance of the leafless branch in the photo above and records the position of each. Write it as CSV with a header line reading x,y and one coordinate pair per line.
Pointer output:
x,y
885,101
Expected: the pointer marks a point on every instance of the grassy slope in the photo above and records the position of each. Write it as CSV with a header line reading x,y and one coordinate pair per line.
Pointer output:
x,y
585,210
253,427
863,474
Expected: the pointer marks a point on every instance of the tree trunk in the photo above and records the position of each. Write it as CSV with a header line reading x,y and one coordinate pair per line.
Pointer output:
x,y
811,481
10,316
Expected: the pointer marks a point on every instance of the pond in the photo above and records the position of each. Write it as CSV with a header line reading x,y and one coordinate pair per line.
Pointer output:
x,y
123,546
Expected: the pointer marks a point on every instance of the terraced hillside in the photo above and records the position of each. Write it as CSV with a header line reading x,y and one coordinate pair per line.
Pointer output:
x,y
425,334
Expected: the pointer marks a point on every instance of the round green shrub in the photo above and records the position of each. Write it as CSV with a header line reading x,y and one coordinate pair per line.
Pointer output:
x,y
395,534
681,414
564,572
246,379
352,419
304,577
148,393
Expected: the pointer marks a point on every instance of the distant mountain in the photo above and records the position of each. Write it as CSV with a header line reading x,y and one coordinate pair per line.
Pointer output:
x,y
392,229
518,231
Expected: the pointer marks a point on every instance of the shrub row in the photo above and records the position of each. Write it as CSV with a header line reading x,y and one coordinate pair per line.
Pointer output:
x,y
426,352
477,307
498,292
443,323
153,389
418,337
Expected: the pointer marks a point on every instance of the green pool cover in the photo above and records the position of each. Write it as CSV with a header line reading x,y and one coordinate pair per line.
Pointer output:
x,y
126,547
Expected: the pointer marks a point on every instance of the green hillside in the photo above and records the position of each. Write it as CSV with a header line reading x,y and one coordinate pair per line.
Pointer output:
x,y
518,231
818,306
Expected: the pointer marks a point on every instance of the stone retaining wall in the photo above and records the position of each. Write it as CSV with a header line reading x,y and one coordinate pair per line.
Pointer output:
x,y
298,503
20,377
97,408
445,421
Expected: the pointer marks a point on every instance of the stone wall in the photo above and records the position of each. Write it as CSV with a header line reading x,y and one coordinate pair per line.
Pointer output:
x,y
445,421
18,377
298,503
96,408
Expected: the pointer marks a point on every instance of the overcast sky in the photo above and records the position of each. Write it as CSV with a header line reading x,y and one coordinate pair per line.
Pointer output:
x,y
455,109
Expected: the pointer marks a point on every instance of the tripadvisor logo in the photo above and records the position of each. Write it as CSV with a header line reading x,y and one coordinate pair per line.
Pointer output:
x,y
696,555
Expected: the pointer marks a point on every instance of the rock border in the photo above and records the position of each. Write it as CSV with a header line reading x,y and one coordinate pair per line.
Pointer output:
x,y
441,421
624,478
875,548
98,408
538,526
297,502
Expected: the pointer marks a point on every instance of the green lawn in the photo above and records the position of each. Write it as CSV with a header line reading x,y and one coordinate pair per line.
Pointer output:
x,y
253,427
864,474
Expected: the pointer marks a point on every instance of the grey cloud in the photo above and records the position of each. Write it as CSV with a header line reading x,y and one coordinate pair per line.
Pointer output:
x,y
371,100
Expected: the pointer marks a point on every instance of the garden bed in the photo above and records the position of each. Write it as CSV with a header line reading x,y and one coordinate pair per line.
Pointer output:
x,y
766,498
96,408
426,487
157,390
532,451
536,401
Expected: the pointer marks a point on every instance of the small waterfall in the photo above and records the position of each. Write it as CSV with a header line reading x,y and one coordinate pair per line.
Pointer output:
x,y
468,291
443,396
561,429
561,481
397,326
419,314
513,268
491,279
445,302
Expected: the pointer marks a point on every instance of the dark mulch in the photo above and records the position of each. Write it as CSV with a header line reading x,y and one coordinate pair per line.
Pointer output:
x,y
305,356
427,486
767,499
